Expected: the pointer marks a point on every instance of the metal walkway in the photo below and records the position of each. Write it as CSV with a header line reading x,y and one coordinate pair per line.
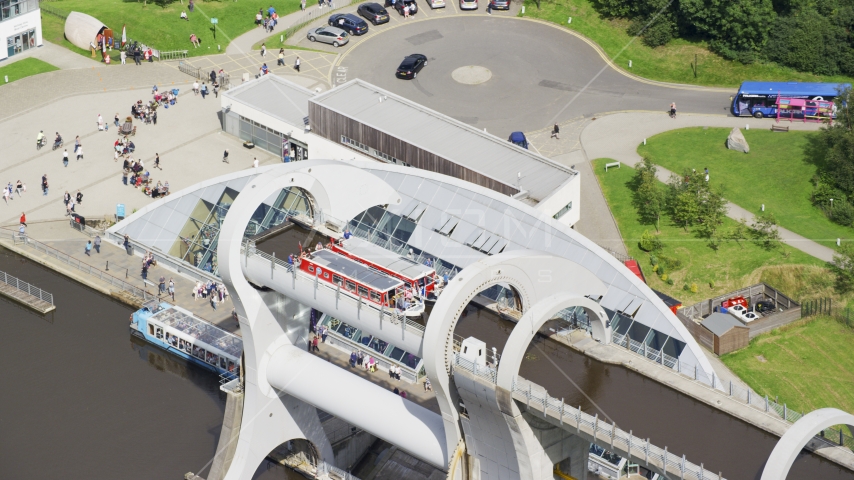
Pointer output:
x,y
26,294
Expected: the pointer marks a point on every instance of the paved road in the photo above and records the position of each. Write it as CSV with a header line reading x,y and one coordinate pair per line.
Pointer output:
x,y
541,73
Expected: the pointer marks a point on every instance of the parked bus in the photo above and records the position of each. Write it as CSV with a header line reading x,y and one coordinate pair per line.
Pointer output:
x,y
759,99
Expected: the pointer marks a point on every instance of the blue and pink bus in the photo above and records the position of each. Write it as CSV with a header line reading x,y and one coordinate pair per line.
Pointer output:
x,y
759,99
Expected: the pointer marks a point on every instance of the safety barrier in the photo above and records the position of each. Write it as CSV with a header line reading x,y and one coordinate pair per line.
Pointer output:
x,y
26,287
604,434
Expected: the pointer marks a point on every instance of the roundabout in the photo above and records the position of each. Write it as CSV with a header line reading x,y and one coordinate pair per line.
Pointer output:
x,y
506,74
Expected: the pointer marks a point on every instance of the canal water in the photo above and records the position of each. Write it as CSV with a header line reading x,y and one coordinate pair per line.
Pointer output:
x,y
81,398
650,409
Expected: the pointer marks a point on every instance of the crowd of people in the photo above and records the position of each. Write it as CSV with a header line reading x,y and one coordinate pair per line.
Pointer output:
x,y
215,292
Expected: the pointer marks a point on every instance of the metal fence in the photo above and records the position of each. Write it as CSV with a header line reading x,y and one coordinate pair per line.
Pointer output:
x,y
224,79
53,11
26,287
173,55
605,434
118,283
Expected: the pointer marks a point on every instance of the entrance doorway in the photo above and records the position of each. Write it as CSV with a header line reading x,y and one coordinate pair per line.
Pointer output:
x,y
21,42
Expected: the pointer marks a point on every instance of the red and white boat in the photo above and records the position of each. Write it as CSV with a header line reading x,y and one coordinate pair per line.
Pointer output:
x,y
420,278
360,280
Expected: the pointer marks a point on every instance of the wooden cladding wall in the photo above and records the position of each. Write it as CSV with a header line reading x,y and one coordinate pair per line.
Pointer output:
x,y
332,125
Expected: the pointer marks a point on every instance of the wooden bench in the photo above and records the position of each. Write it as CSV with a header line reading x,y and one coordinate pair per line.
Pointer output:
x,y
779,128
612,165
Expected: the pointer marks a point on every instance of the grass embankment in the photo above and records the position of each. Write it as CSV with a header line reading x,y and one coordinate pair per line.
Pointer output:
x,y
731,267
776,172
810,364
24,68
670,63
161,27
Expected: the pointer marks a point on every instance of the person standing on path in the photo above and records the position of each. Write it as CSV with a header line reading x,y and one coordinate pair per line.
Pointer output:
x,y
157,161
225,156
154,117
302,5
79,197
101,125
6,195
116,120
673,110
44,185
162,285
213,76
23,219
195,87
556,132
204,90
263,50
88,250
213,302
124,57
80,152
296,64
255,163
215,89
98,244
172,288
65,157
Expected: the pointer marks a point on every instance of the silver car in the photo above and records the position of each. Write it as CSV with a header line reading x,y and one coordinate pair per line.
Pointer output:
x,y
332,35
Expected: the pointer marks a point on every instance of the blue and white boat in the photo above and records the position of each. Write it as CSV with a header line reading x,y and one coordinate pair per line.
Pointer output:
x,y
181,333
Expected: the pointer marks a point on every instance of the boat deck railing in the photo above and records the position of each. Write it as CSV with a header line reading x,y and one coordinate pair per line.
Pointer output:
x,y
326,471
25,293
598,431
393,315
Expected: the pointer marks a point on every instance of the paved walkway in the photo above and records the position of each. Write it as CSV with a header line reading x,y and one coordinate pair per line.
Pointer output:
x,y
57,56
617,136
59,235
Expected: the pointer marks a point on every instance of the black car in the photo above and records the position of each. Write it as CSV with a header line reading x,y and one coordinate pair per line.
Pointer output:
x,y
499,4
413,8
374,12
410,66
349,22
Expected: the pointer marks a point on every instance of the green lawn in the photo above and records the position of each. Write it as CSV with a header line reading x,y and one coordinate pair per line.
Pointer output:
x,y
776,172
810,366
161,27
24,68
732,267
670,63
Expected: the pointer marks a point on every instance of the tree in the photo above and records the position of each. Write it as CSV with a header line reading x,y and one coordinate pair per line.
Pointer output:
x,y
685,209
712,210
843,267
765,232
738,233
648,195
738,29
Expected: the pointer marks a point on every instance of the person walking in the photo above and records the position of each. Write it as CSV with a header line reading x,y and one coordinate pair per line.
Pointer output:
x,y
213,302
79,152
97,244
556,131
204,90
65,157
172,288
157,161
255,163
116,120
263,50
88,249
213,76
162,285
302,5
281,60
215,89
154,117
225,156
489,7
124,57
6,195
20,188
79,197
673,110
101,125
44,185
23,219
296,64
196,87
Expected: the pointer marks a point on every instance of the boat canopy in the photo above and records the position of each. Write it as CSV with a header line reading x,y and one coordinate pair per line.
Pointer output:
x,y
200,330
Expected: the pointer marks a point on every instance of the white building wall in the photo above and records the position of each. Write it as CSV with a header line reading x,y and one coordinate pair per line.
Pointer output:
x,y
569,191
18,25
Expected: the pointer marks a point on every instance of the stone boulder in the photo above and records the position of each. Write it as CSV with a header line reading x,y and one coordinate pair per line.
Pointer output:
x,y
736,141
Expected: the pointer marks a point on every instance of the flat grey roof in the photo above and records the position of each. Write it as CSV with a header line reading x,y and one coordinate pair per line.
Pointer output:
x,y
446,137
274,96
386,258
720,323
356,271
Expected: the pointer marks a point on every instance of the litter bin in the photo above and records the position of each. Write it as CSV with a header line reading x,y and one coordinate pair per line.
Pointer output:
x,y
78,222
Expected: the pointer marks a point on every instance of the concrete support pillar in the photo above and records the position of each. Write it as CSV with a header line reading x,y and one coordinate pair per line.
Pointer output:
x,y
576,464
